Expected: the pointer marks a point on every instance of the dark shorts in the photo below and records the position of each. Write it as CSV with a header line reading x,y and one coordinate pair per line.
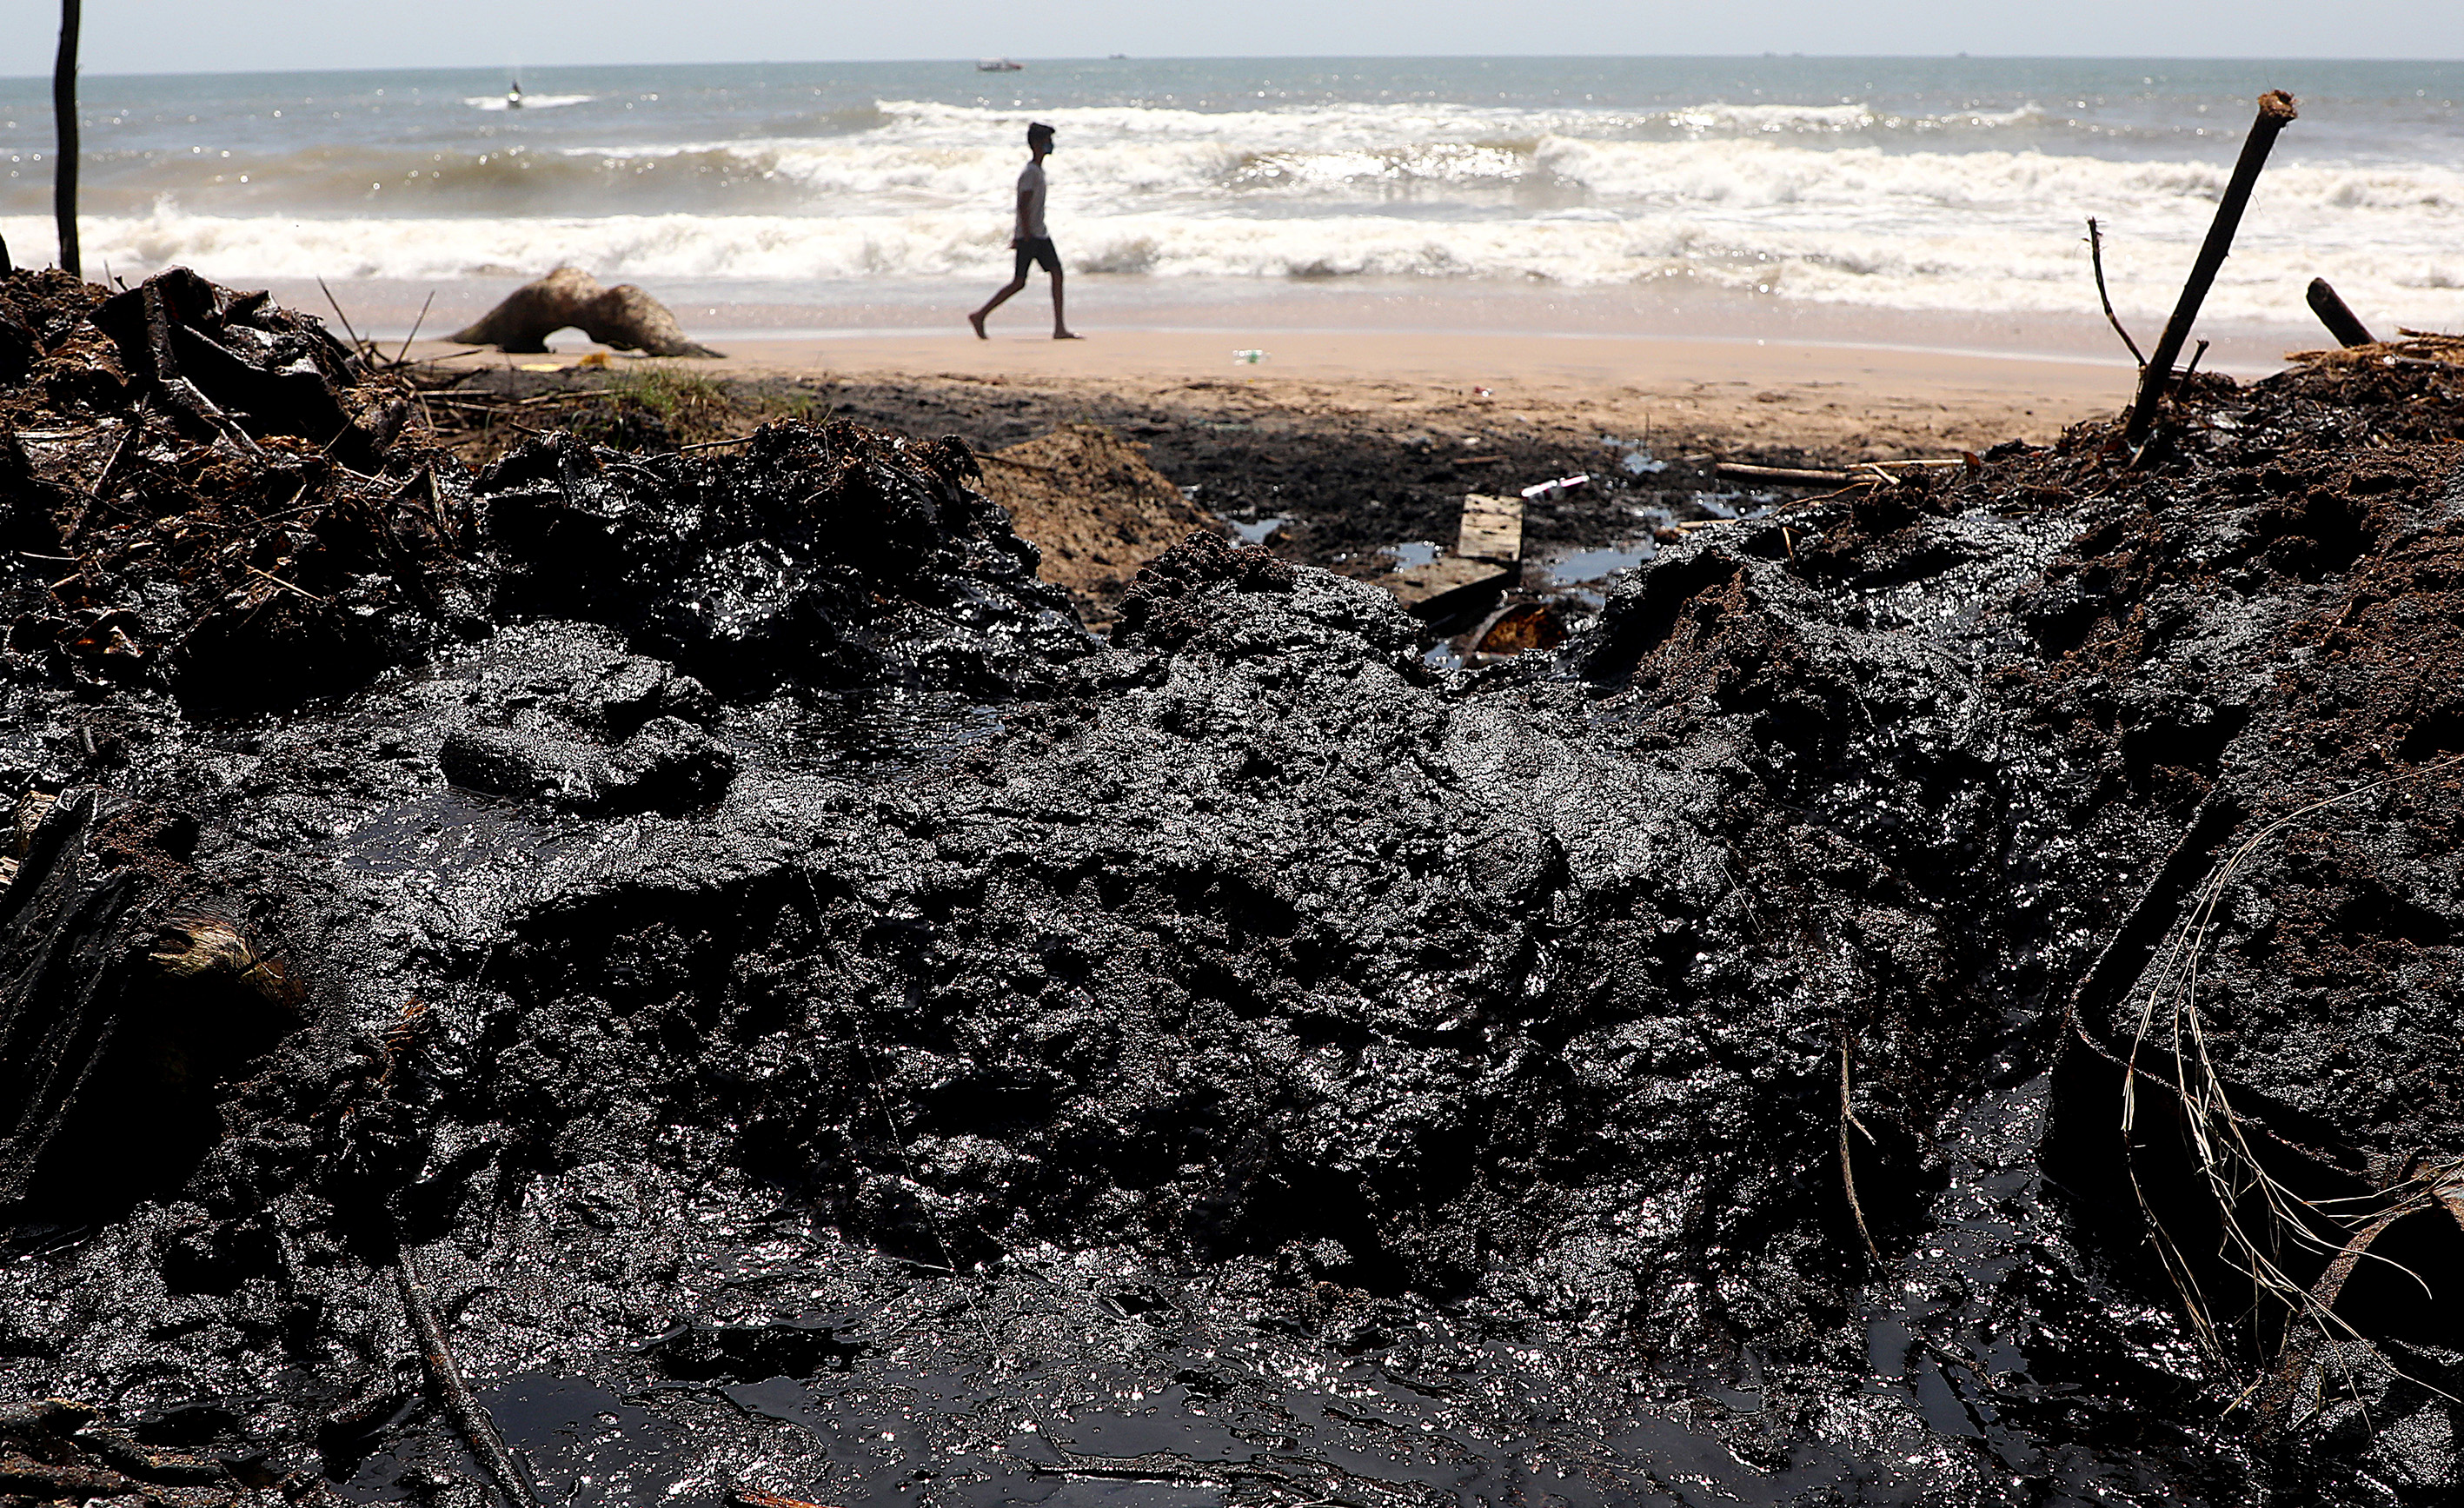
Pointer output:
x,y
1036,250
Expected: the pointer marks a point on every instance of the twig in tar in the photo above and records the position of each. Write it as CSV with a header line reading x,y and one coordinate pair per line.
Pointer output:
x,y
2096,256
754,1497
405,353
356,344
1847,1169
2275,112
445,1379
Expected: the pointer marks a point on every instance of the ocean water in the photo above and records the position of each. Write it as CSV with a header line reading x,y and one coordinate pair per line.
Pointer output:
x,y
1940,185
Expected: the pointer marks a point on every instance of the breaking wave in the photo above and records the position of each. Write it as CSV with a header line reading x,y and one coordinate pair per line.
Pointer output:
x,y
1826,201
2007,263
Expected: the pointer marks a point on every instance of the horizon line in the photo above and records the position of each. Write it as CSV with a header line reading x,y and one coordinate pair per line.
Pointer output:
x,y
1262,57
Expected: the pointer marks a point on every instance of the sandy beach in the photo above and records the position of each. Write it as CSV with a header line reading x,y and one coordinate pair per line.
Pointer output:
x,y
1833,401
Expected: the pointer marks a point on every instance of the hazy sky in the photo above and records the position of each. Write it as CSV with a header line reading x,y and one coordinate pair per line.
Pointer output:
x,y
216,35
247,36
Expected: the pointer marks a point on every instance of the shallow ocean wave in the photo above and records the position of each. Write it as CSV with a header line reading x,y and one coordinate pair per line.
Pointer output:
x,y
1981,267
1353,124
529,101
1935,190
1773,119
869,173
1443,162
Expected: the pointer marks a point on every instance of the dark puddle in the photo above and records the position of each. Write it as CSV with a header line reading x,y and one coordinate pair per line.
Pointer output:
x,y
454,830
1591,565
1248,1422
1257,531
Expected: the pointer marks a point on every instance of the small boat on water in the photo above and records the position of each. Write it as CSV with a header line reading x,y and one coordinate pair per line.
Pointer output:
x,y
996,65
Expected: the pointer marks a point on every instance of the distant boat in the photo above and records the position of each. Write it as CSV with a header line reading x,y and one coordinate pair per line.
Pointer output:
x,y
996,65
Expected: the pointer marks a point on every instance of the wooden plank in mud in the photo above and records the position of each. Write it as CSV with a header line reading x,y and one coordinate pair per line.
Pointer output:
x,y
1442,587
1492,529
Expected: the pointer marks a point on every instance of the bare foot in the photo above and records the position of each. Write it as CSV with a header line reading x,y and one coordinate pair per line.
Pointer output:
x,y
1065,335
978,320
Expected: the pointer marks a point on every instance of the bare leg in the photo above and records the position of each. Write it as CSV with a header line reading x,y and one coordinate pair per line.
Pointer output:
x,y
1060,326
977,319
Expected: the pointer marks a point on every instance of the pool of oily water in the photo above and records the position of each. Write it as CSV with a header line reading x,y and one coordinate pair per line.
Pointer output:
x,y
820,1372
825,1026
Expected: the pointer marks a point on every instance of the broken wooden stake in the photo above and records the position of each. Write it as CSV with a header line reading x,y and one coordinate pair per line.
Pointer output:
x,y
2338,316
64,164
2275,112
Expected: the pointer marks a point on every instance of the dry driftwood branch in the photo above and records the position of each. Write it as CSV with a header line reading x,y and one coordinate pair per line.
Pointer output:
x,y
623,316
1795,474
2275,112
2336,315
2096,256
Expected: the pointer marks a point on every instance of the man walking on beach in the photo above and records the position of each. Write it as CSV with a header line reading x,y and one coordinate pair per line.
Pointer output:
x,y
1028,238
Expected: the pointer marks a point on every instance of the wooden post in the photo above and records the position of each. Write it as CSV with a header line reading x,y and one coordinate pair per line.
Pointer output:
x,y
64,167
2337,316
2275,112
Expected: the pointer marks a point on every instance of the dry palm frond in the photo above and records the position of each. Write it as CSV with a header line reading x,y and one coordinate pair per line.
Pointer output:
x,y
2414,348
2170,1023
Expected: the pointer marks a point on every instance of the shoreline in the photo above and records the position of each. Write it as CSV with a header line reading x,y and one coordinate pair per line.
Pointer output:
x,y
1808,398
1255,312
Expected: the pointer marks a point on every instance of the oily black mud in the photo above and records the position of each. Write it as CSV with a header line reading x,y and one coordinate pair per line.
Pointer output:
x,y
1340,491
834,1029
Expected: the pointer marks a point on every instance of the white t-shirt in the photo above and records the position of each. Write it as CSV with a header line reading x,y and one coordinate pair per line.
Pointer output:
x,y
1030,219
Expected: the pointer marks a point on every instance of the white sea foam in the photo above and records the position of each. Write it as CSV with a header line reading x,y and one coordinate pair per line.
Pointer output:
x,y
529,101
1974,269
1788,200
